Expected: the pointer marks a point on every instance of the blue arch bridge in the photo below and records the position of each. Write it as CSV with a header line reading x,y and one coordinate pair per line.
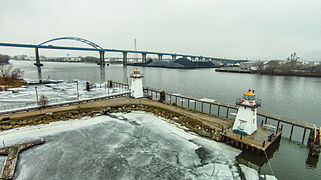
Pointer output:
x,y
95,47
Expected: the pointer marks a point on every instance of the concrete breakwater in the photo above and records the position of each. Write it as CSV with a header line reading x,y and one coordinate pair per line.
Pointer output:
x,y
191,123
206,125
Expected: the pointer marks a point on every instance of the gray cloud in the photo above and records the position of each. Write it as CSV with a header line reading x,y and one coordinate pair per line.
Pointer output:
x,y
255,29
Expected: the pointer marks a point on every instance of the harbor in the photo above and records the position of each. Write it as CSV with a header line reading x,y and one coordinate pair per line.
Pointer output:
x,y
189,105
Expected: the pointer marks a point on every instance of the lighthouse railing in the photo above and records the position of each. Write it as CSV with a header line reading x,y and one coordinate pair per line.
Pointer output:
x,y
257,103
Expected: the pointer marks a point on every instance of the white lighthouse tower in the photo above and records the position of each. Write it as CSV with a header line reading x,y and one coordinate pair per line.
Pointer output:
x,y
136,86
246,118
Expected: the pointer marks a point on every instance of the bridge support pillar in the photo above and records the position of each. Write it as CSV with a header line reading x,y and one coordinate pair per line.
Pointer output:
x,y
124,58
101,58
160,57
173,57
200,58
192,59
144,57
38,64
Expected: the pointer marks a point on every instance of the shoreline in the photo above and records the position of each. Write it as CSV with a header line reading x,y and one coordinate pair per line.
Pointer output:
x,y
15,83
298,74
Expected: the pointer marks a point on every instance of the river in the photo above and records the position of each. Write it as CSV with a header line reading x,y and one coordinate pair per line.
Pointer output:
x,y
295,97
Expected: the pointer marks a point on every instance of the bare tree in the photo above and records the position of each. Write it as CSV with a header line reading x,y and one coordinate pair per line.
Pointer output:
x,y
260,65
8,72
4,59
5,71
16,73
272,66
43,101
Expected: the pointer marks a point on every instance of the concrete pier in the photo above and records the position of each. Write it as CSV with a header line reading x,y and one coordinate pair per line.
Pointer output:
x,y
13,155
102,58
38,64
144,59
124,58
173,58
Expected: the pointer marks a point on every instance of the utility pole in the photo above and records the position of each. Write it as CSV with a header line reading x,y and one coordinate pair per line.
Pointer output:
x,y
135,48
37,94
77,90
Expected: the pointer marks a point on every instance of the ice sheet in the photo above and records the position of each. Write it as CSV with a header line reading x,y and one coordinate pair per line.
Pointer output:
x,y
59,91
135,145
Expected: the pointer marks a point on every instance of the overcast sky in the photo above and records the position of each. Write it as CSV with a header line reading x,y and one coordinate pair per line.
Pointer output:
x,y
254,29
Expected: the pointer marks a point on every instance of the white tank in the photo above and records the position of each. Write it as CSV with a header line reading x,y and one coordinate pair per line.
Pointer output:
x,y
136,86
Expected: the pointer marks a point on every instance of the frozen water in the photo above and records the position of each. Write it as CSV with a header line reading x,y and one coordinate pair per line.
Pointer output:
x,y
268,177
57,91
249,173
135,145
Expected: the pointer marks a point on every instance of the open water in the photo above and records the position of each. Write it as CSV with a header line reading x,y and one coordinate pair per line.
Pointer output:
x,y
295,97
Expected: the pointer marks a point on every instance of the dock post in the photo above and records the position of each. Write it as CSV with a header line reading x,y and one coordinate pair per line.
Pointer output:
x,y
291,131
202,106
262,123
277,127
263,143
266,118
218,110
195,105
210,110
227,112
182,100
170,98
176,100
303,137
241,136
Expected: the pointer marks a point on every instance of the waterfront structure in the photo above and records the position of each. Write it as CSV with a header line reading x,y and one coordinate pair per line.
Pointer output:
x,y
95,47
246,118
136,87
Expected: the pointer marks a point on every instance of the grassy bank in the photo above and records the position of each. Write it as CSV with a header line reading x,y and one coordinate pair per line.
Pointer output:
x,y
10,83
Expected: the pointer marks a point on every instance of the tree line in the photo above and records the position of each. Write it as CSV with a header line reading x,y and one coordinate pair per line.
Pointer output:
x,y
4,59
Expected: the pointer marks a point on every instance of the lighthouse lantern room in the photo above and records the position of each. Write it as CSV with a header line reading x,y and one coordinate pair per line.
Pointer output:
x,y
136,86
246,118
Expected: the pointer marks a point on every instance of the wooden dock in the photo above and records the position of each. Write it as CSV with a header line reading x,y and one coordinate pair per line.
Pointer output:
x,y
199,105
260,141
13,155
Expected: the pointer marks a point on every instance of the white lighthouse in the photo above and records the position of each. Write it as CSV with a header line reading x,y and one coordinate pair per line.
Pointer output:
x,y
136,86
246,118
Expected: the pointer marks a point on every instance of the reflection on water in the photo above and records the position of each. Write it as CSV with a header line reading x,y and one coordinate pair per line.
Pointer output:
x,y
102,74
39,74
258,160
125,75
312,162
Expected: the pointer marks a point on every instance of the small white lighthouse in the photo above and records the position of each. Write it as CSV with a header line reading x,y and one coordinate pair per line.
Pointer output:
x,y
136,86
246,118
